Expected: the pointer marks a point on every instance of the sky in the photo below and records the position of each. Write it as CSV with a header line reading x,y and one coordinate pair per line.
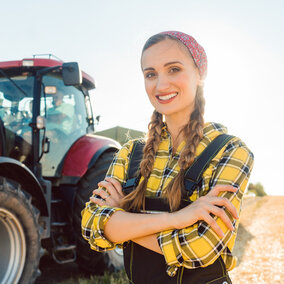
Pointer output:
x,y
243,40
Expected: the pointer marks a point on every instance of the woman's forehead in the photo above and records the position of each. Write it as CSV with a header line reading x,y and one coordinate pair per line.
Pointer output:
x,y
165,51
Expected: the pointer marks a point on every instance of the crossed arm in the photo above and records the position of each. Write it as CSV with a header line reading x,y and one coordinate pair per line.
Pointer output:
x,y
203,224
143,228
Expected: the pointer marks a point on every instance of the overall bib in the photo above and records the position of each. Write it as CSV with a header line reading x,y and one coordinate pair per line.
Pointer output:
x,y
144,266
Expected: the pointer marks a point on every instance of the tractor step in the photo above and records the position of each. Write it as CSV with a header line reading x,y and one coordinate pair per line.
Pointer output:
x,y
65,248
59,255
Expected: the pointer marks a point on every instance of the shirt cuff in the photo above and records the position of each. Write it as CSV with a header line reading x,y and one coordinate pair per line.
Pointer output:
x,y
170,246
97,240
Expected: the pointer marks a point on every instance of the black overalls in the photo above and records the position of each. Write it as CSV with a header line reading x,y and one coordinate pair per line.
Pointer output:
x,y
143,266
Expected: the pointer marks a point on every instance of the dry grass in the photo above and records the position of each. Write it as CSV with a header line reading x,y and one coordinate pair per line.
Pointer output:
x,y
260,242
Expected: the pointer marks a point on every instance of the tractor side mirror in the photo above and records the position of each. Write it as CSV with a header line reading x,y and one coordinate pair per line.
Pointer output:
x,y
71,74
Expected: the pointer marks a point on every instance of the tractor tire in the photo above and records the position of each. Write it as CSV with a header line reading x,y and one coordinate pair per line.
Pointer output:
x,y
19,234
88,260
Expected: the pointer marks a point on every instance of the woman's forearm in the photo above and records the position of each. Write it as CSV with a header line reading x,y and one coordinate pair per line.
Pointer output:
x,y
124,226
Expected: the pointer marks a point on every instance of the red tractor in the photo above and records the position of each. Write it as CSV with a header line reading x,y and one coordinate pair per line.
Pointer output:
x,y
50,161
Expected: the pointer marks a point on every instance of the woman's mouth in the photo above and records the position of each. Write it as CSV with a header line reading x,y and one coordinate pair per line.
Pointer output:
x,y
166,98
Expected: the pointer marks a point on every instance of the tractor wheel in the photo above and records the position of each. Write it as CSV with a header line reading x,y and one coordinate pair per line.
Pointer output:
x,y
19,234
89,260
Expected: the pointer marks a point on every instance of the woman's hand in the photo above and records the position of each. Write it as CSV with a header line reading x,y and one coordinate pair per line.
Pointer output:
x,y
112,196
201,209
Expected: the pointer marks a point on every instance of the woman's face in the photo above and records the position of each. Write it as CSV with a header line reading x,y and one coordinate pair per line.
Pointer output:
x,y
171,78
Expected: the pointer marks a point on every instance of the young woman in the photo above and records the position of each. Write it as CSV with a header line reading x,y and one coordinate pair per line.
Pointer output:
x,y
187,244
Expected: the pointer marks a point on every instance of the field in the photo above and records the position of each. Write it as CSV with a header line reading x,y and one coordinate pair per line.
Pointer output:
x,y
259,247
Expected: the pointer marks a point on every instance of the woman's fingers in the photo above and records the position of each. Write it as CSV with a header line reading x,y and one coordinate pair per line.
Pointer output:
x,y
110,190
222,215
108,200
97,201
222,201
221,188
116,184
109,187
211,222
100,192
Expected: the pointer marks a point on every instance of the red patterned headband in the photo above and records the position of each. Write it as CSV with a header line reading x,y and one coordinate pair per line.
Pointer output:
x,y
195,49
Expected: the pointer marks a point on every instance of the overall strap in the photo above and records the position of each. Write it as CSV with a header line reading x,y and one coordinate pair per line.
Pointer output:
x,y
193,174
133,175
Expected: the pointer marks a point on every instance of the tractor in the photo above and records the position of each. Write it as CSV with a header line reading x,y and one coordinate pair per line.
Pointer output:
x,y
50,161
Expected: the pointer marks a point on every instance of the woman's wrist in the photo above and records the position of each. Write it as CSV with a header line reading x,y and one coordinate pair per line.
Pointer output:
x,y
174,220
181,218
167,221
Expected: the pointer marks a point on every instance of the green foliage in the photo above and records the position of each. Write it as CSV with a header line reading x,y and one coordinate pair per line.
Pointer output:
x,y
257,189
108,278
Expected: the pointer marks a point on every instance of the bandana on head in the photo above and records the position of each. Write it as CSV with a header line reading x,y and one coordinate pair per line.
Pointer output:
x,y
196,50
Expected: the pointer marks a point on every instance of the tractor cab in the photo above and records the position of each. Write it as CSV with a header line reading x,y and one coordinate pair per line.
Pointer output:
x,y
60,113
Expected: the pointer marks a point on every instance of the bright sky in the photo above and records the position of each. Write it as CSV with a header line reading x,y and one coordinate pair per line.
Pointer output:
x,y
243,40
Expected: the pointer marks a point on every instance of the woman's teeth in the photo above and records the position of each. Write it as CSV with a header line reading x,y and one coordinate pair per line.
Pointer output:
x,y
167,97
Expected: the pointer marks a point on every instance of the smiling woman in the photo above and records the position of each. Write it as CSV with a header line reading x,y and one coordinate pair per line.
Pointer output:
x,y
171,81
195,228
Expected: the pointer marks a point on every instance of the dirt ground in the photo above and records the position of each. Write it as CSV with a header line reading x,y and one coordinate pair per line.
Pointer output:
x,y
260,242
259,247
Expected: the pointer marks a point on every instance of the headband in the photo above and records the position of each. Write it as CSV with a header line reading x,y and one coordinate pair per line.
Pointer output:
x,y
196,50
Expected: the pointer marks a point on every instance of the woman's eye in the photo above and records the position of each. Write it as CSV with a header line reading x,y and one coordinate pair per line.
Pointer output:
x,y
149,75
174,69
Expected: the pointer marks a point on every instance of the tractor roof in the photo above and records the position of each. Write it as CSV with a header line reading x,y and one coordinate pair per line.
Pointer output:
x,y
88,81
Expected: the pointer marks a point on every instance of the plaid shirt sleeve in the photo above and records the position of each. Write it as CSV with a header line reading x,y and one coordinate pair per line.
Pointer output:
x,y
94,217
198,245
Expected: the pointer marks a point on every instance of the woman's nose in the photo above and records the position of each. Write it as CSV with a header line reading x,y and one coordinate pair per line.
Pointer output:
x,y
162,83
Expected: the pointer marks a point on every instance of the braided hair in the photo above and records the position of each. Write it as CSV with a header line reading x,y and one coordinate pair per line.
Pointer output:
x,y
193,133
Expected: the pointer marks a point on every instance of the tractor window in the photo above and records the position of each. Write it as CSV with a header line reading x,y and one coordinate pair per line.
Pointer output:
x,y
16,114
66,121
15,106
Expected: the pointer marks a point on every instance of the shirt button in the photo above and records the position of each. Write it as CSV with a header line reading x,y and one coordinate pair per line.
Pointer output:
x,y
225,282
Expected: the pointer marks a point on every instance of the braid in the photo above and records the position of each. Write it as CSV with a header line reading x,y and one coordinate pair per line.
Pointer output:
x,y
136,199
193,133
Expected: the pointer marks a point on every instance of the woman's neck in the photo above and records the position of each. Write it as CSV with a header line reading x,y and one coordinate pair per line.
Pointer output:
x,y
174,126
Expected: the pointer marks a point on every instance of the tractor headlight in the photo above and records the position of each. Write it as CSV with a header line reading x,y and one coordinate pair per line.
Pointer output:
x,y
27,63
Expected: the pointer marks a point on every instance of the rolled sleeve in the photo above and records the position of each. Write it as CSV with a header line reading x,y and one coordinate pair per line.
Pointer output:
x,y
198,245
94,219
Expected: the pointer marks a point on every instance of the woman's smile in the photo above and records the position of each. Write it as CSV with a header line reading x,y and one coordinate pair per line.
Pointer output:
x,y
166,97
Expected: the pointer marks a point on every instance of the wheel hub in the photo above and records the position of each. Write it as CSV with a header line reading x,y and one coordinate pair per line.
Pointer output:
x,y
12,247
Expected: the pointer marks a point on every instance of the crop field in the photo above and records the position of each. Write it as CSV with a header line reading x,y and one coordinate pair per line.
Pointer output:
x,y
259,248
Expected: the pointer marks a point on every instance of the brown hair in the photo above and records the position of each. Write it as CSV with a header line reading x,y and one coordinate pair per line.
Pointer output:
x,y
192,131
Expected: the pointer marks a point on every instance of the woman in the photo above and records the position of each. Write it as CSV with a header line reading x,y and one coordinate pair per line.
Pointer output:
x,y
192,244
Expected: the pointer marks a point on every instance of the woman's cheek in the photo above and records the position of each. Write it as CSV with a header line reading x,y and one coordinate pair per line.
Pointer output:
x,y
149,87
151,99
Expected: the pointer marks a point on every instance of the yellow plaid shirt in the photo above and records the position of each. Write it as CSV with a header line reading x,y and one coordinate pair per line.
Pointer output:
x,y
197,245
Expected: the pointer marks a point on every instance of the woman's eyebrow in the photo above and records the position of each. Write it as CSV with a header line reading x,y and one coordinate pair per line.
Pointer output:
x,y
172,62
148,68
165,65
